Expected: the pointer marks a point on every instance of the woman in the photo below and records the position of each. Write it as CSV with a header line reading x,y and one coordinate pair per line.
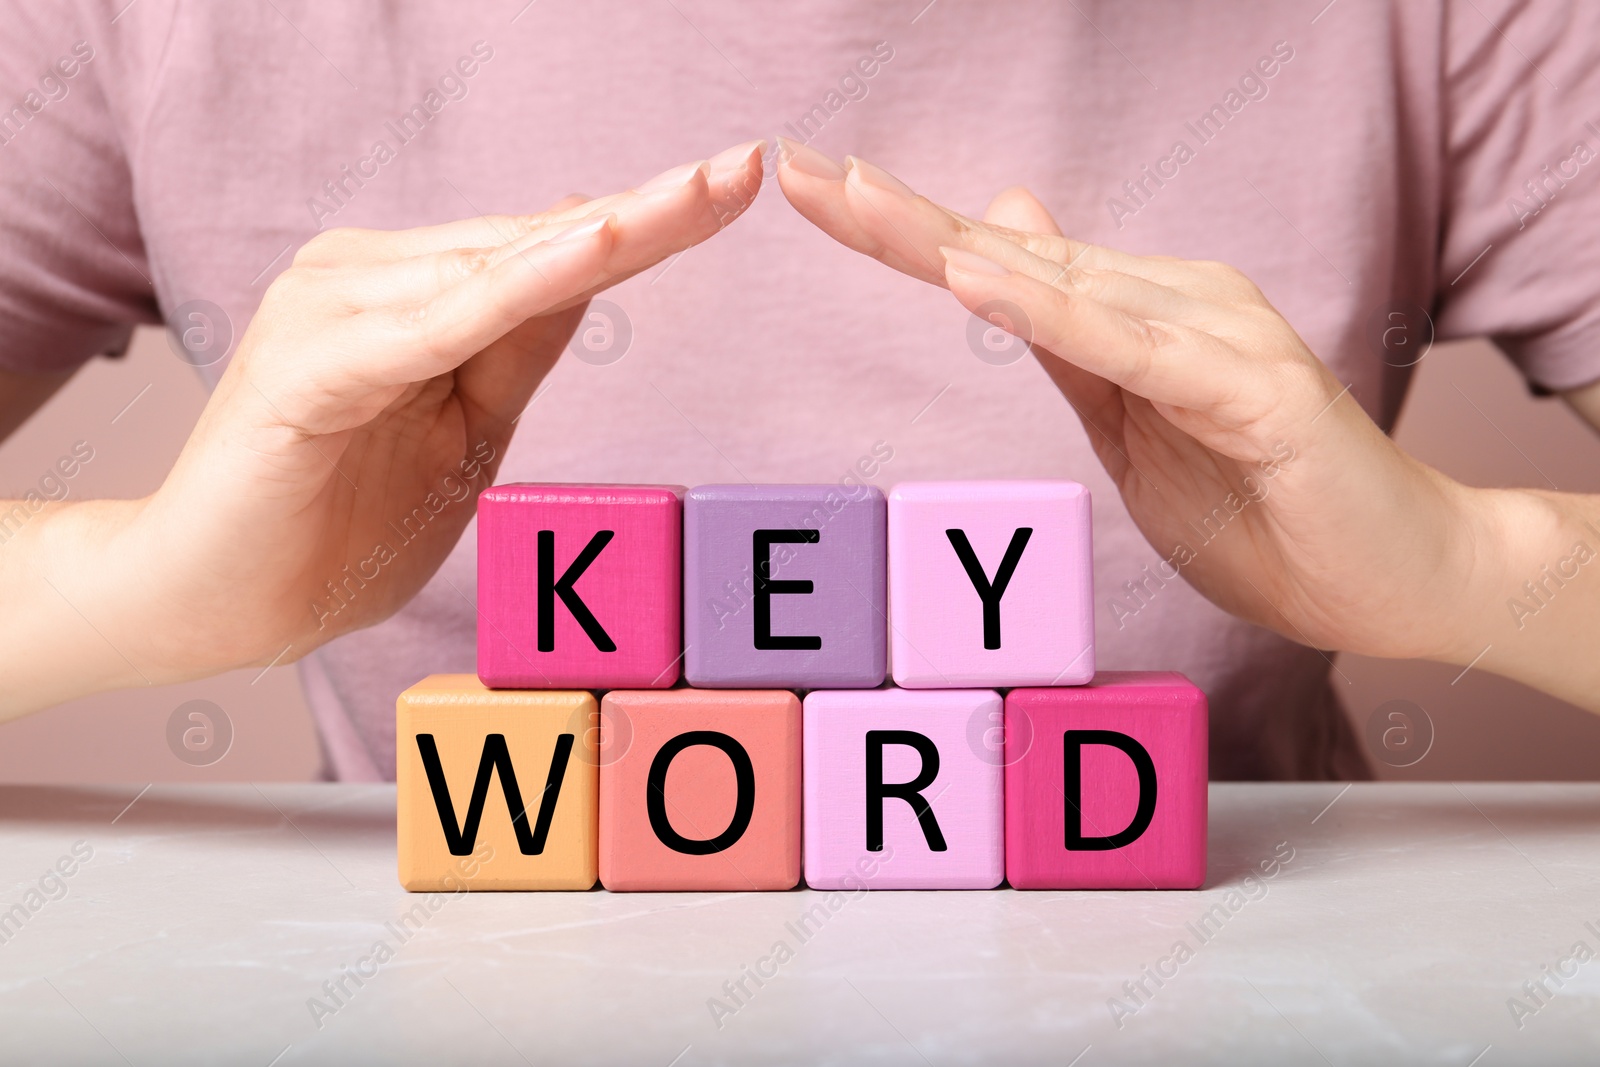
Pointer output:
x,y
273,167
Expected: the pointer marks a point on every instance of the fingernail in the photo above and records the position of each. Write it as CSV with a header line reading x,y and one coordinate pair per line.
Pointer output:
x,y
676,178
972,263
809,161
587,228
736,156
878,178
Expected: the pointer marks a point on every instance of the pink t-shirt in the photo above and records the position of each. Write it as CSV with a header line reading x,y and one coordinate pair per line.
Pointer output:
x,y
1363,163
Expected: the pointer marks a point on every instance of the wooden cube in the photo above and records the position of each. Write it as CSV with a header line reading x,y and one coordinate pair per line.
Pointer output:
x,y
496,789
1106,784
784,586
700,790
579,586
900,792
990,584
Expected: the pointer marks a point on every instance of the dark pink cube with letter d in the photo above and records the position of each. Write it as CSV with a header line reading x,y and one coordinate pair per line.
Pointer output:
x,y
1106,784
579,586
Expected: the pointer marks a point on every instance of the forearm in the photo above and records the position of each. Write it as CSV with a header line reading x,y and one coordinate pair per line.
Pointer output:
x,y
65,604
1531,610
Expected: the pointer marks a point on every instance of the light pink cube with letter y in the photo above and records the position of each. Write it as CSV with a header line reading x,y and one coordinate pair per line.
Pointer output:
x,y
990,584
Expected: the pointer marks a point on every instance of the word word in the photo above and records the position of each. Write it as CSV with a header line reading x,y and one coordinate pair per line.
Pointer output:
x,y
785,586
1099,786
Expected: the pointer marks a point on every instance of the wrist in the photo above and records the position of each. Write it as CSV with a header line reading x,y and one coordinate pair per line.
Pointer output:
x,y
1518,539
64,585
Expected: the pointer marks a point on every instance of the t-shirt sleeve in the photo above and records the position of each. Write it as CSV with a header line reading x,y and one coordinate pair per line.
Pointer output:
x,y
74,278
1520,252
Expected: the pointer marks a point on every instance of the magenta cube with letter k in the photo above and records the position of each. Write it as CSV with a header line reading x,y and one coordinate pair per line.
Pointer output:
x,y
579,586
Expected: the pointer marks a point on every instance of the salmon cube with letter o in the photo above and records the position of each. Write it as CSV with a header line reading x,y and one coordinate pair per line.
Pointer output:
x,y
700,790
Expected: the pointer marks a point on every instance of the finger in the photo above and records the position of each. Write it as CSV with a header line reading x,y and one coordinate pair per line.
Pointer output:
x,y
1097,403
400,346
1018,209
814,185
647,230
500,381
1125,292
913,228
733,178
1199,306
678,196
1161,361
867,209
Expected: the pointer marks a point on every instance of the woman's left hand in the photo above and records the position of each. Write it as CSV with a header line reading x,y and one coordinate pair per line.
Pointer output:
x,y
1198,396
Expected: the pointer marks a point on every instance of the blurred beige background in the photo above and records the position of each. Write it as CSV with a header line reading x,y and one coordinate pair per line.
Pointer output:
x,y
1469,414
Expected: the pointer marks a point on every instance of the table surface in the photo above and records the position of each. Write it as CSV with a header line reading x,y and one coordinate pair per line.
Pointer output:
x,y
208,923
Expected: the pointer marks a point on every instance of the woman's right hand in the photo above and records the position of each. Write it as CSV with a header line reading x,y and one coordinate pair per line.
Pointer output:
x,y
382,374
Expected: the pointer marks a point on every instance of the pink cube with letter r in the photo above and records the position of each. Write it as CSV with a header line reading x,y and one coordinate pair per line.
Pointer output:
x,y
990,584
1106,784
900,792
579,586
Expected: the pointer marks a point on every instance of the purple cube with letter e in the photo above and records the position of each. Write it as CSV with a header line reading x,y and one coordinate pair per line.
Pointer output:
x,y
784,586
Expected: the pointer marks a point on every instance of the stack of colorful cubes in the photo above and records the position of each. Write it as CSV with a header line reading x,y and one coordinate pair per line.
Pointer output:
x,y
997,755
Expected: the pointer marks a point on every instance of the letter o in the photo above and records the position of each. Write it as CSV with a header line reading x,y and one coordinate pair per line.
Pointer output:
x,y
656,798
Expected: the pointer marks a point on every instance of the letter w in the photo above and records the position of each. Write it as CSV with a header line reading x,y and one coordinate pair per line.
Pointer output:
x,y
496,757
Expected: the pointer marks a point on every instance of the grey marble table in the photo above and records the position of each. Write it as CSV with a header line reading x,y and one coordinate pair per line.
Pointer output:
x,y
236,924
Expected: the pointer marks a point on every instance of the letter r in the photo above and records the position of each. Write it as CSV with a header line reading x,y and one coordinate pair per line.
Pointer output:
x,y
911,792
